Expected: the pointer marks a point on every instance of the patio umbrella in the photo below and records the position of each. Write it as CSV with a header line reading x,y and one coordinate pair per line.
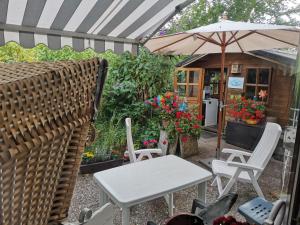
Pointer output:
x,y
223,37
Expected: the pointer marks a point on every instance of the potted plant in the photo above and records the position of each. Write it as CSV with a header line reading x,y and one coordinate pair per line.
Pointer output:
x,y
247,110
107,151
183,125
188,127
246,127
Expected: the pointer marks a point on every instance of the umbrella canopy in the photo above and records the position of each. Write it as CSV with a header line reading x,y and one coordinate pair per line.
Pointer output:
x,y
226,36
239,37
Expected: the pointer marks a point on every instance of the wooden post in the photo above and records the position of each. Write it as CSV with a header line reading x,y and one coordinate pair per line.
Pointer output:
x,y
223,47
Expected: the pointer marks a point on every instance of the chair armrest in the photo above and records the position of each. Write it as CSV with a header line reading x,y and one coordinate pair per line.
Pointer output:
x,y
244,166
150,150
236,152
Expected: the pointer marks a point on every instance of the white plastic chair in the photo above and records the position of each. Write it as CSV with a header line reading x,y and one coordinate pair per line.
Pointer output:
x,y
142,152
247,171
103,216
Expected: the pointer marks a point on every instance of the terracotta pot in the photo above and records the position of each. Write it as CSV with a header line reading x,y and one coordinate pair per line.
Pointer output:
x,y
252,121
188,146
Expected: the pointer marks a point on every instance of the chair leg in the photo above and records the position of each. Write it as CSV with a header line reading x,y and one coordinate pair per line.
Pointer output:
x,y
230,183
219,184
214,183
256,185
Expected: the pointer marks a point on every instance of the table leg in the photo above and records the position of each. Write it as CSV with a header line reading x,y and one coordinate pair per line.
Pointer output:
x,y
171,204
125,216
202,191
103,198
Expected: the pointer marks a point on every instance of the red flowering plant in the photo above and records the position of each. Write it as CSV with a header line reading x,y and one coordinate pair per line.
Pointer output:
x,y
167,105
244,109
149,143
187,124
229,220
182,120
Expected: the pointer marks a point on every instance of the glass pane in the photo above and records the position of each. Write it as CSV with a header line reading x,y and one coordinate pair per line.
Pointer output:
x,y
262,93
182,90
181,77
193,77
193,91
250,92
251,76
215,88
263,76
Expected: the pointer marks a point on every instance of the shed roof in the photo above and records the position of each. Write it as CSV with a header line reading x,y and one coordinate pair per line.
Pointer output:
x,y
280,56
99,24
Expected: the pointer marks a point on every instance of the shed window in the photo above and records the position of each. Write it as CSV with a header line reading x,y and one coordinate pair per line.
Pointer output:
x,y
187,82
257,80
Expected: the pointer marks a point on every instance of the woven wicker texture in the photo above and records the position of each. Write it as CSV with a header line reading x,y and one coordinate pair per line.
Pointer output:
x,y
45,111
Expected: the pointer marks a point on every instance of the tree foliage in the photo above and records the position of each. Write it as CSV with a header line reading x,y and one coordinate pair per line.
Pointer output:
x,y
204,12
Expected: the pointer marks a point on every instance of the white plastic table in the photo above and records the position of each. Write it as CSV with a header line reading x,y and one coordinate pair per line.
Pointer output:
x,y
142,181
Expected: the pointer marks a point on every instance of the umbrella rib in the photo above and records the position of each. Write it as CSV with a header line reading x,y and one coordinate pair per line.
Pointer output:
x,y
277,39
241,37
237,42
232,36
202,43
172,43
200,36
219,38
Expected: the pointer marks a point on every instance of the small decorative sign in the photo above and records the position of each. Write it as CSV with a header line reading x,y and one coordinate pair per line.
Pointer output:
x,y
236,82
236,68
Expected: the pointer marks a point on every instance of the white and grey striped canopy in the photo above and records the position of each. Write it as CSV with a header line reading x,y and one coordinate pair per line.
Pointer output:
x,y
99,24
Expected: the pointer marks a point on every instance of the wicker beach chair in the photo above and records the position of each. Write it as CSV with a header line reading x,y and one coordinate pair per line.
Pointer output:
x,y
45,113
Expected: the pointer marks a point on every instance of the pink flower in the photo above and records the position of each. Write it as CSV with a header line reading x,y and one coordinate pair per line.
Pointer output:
x,y
175,104
145,143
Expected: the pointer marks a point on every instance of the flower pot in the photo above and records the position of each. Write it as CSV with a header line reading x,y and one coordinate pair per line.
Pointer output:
x,y
172,147
252,121
188,146
99,166
243,135
163,141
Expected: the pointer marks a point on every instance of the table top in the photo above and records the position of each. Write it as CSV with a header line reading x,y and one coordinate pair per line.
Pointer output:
x,y
149,179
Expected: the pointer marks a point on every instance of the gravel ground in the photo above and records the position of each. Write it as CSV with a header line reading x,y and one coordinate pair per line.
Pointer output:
x,y
86,193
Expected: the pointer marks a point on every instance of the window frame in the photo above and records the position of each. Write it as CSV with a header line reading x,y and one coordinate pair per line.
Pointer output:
x,y
187,83
256,84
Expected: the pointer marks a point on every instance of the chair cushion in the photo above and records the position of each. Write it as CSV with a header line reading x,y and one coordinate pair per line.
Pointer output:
x,y
221,168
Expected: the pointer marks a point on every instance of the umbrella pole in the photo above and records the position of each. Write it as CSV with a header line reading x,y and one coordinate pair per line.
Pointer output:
x,y
220,119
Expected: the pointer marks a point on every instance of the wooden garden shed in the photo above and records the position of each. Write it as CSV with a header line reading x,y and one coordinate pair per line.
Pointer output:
x,y
197,78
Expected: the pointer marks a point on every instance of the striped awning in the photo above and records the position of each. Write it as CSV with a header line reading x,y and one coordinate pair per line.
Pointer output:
x,y
118,25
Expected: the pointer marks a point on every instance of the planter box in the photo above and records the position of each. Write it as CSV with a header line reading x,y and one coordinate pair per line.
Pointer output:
x,y
99,166
243,135
189,147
